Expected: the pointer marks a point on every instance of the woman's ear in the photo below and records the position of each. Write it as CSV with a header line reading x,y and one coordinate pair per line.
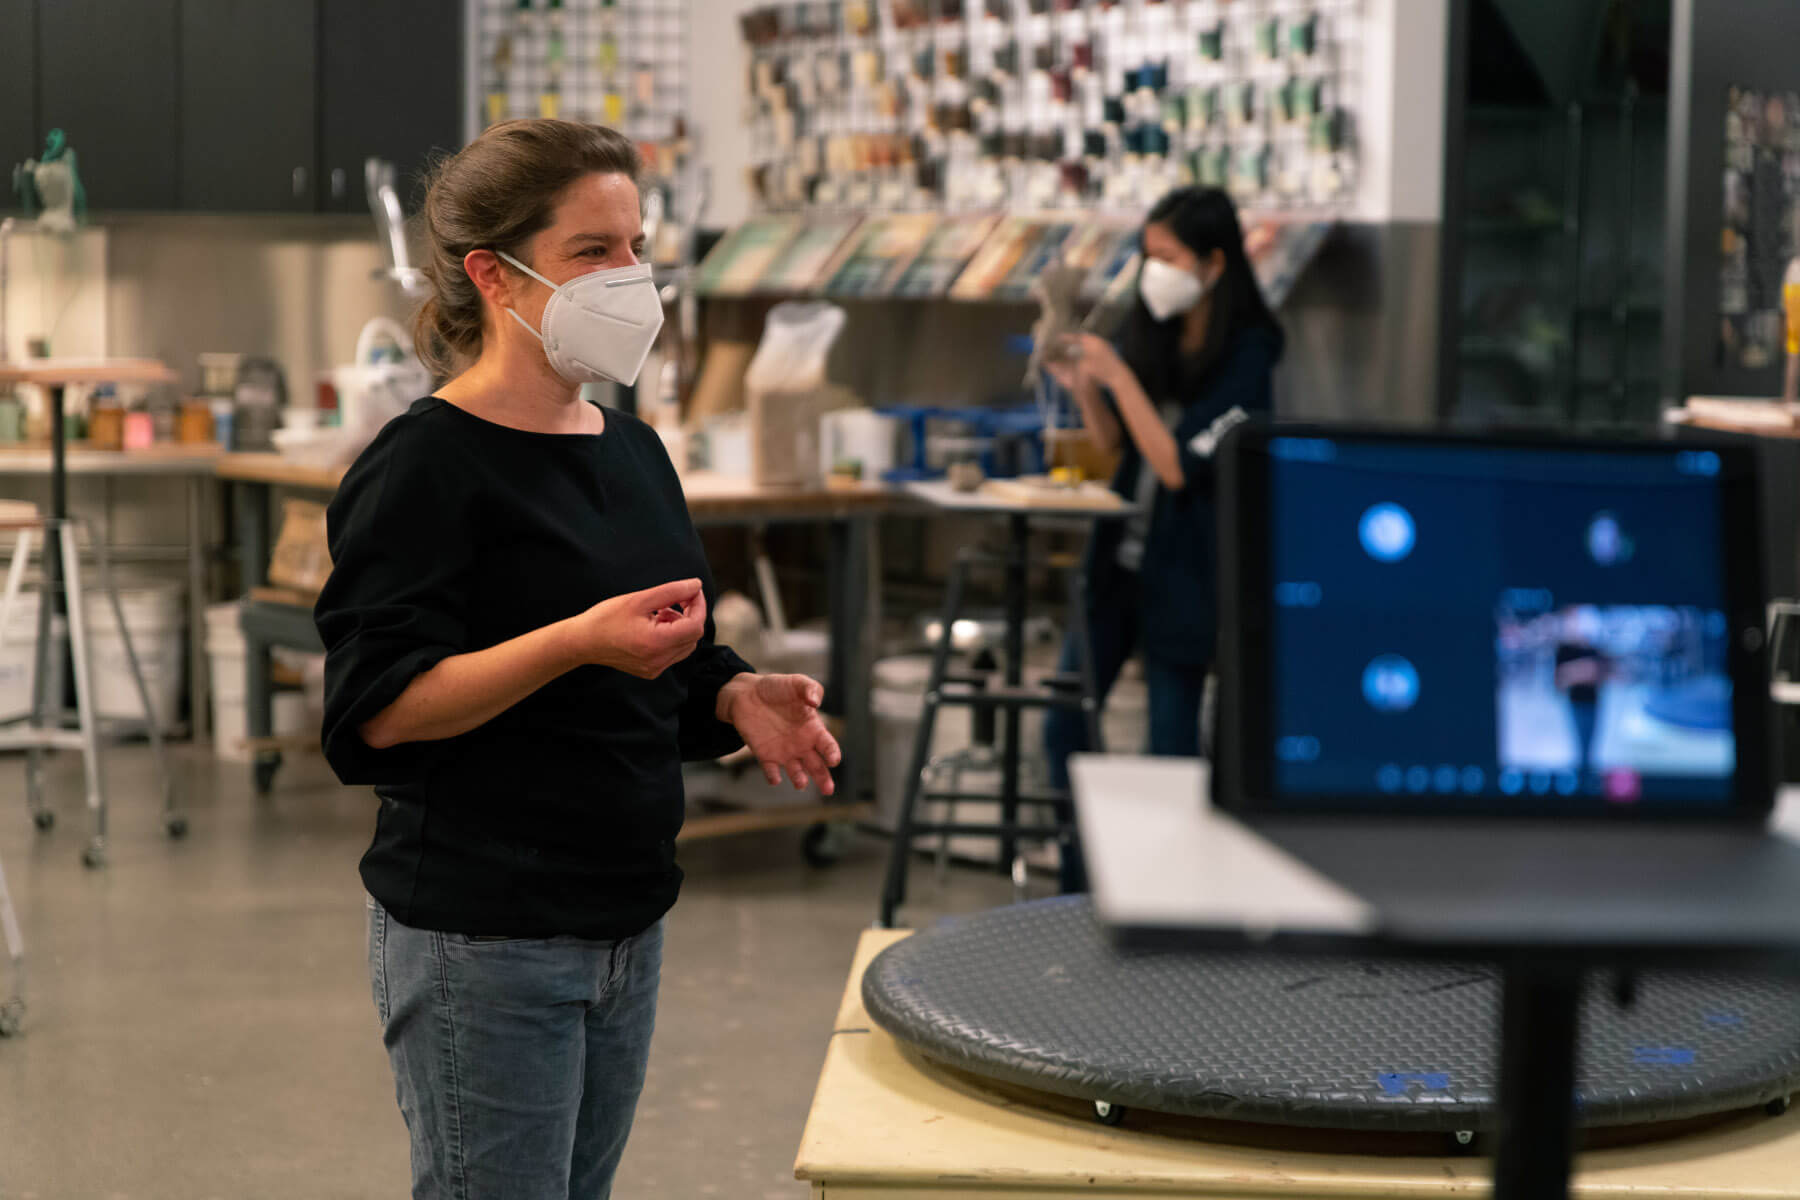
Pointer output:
x,y
490,276
1215,267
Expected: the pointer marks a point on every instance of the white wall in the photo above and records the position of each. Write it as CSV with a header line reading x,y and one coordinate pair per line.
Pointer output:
x,y
1405,75
716,80
56,288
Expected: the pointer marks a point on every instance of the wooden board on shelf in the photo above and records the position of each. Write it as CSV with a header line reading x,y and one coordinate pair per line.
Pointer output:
x,y
885,247
737,264
1010,242
50,372
946,252
274,469
811,257
1038,491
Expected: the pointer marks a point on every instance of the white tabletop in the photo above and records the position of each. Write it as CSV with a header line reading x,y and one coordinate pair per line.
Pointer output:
x,y
166,459
1159,856
1102,502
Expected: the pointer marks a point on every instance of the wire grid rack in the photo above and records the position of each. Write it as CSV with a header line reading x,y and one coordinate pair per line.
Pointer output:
x,y
621,63
1040,103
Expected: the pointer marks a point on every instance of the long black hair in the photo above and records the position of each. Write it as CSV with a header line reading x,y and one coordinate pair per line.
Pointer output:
x,y
1203,219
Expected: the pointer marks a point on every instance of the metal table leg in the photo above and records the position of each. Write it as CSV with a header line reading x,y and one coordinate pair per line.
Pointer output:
x,y
253,559
855,620
200,711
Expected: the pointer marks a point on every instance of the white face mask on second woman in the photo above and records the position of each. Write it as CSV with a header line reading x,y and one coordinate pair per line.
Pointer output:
x,y
598,326
1168,291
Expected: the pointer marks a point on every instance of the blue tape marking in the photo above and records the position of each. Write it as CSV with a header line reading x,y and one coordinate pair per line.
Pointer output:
x,y
1663,1056
1725,1018
1399,1083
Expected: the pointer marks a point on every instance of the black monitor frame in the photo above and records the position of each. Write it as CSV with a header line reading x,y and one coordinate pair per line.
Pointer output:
x,y
1244,760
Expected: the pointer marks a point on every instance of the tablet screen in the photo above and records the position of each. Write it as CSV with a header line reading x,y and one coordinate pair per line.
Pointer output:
x,y
1462,624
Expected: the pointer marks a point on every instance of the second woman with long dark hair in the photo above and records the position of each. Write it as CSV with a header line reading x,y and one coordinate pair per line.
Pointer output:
x,y
1195,357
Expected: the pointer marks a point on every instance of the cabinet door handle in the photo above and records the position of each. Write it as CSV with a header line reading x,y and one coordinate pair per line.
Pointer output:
x,y
299,182
337,183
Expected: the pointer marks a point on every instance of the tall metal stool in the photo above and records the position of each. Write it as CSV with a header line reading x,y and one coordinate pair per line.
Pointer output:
x,y
62,592
1010,699
45,724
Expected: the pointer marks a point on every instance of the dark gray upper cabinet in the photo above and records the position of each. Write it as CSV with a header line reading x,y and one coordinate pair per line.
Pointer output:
x,y
18,91
249,78
106,74
390,86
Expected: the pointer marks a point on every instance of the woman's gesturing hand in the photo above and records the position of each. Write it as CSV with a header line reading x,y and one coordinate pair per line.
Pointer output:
x,y
778,718
644,633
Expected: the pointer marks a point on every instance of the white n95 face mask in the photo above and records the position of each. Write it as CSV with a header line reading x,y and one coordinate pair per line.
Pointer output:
x,y
598,326
1168,291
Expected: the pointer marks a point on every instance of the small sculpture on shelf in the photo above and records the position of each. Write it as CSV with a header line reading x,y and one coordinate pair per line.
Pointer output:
x,y
50,188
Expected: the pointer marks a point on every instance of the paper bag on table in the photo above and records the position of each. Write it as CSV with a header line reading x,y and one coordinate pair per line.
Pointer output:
x,y
302,559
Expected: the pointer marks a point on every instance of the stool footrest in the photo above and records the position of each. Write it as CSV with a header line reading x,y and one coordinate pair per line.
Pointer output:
x,y
994,798
921,829
1011,698
42,739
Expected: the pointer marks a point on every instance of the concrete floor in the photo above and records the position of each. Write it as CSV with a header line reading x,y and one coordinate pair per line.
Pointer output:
x,y
200,1022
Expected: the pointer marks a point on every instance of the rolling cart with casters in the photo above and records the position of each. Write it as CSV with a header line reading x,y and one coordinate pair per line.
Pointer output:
x,y
63,594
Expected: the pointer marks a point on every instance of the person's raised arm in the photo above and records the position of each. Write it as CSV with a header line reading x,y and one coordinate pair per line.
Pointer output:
x,y
640,633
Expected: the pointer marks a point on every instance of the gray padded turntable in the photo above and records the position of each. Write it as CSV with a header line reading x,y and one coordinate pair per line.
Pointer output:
x,y
1034,995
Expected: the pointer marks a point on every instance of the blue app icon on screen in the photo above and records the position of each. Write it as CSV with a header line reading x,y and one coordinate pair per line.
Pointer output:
x,y
1387,532
1390,684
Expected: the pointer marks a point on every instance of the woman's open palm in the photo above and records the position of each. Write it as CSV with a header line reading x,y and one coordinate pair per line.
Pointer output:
x,y
778,718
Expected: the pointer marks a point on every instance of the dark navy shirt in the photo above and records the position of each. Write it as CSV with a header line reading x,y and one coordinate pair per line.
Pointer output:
x,y
1179,598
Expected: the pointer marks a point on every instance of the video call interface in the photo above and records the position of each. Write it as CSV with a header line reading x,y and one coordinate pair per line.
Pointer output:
x,y
1477,624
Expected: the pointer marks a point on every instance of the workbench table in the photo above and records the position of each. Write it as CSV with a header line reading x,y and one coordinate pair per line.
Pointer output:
x,y
886,1123
848,509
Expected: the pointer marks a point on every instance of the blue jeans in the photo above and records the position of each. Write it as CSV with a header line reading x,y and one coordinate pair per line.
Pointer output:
x,y
1176,691
517,1062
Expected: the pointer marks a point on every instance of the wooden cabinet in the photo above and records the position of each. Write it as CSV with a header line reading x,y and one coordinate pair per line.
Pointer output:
x,y
390,86
249,75
106,76
18,90
233,105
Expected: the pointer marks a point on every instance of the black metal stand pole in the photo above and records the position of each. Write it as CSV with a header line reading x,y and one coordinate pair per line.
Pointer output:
x,y
59,512
1539,1025
1018,546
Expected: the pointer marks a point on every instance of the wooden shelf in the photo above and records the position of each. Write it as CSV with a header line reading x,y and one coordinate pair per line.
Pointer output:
x,y
50,372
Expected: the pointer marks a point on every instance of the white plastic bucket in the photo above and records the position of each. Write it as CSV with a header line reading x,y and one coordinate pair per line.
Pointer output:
x,y
153,618
18,656
226,656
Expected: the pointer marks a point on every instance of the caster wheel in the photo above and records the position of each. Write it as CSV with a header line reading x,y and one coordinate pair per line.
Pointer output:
x,y
1108,1114
823,844
1777,1106
1462,1142
265,774
44,819
12,1016
93,857
177,827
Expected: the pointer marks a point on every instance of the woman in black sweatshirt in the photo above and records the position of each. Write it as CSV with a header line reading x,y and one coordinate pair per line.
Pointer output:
x,y
1196,356
519,657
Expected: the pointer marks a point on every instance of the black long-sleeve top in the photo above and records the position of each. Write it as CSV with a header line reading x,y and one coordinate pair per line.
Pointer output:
x,y
451,534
